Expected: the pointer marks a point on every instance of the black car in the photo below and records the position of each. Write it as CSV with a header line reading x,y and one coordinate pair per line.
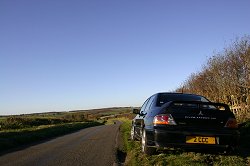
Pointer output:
x,y
184,121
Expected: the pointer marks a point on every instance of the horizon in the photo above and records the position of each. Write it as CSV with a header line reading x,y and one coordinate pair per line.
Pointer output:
x,y
70,111
70,55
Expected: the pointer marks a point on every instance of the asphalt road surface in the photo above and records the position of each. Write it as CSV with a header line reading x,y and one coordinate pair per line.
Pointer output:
x,y
88,147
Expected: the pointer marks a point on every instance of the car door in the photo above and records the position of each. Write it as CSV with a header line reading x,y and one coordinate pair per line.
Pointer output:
x,y
138,121
147,119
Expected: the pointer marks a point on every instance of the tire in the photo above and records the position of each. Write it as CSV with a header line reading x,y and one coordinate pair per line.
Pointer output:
x,y
132,133
145,148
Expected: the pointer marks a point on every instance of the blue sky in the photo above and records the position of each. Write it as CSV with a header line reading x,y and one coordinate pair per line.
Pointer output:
x,y
58,55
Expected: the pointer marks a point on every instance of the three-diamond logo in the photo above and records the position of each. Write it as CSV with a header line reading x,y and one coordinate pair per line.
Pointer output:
x,y
200,114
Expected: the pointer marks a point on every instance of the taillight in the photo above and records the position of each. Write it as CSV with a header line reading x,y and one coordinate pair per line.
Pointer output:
x,y
165,119
231,123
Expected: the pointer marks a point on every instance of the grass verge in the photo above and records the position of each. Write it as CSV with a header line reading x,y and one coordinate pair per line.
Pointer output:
x,y
170,157
16,138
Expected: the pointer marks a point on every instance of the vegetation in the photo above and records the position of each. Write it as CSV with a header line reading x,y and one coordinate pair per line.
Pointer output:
x,y
180,157
225,78
53,118
20,122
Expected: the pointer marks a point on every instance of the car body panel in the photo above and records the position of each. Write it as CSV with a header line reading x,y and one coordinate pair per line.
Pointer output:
x,y
194,116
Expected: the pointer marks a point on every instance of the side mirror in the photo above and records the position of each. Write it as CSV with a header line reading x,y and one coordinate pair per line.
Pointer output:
x,y
136,111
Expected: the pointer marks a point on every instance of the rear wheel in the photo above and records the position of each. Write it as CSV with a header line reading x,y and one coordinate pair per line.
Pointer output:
x,y
145,148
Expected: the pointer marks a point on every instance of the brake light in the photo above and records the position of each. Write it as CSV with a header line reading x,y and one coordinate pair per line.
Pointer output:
x,y
231,123
165,119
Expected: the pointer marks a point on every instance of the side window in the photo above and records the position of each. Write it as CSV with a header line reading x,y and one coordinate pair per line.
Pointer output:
x,y
144,106
150,102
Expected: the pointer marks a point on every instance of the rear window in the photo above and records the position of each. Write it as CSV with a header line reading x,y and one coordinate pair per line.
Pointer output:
x,y
198,106
164,98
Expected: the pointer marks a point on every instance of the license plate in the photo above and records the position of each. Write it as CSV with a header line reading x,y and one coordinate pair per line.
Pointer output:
x,y
200,140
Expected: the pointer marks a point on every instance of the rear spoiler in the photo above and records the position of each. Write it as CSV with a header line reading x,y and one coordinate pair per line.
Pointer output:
x,y
199,103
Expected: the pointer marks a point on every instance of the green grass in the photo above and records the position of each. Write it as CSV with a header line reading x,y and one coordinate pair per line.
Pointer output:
x,y
111,121
182,158
15,138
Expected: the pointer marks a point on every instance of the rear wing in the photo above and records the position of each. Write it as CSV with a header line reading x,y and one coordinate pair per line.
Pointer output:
x,y
197,104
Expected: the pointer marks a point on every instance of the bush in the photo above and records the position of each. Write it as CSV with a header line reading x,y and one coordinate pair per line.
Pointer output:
x,y
225,78
23,122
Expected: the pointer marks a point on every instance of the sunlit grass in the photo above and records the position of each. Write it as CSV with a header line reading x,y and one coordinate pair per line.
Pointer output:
x,y
112,120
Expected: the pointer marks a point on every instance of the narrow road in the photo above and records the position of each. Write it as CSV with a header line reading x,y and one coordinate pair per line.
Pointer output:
x,y
88,147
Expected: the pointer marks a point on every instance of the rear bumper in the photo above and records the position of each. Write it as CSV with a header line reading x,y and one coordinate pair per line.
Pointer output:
x,y
164,138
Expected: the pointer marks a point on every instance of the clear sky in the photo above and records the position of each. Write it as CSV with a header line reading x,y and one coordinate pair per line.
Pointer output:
x,y
61,55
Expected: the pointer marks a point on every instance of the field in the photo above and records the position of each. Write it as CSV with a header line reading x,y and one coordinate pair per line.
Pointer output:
x,y
25,121
180,157
19,130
